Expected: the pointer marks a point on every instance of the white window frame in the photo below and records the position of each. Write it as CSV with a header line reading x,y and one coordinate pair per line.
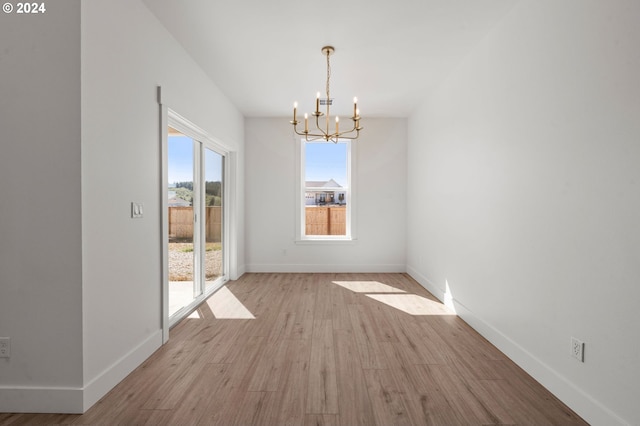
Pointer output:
x,y
300,236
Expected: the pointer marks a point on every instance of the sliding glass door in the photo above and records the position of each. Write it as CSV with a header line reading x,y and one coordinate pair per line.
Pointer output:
x,y
195,220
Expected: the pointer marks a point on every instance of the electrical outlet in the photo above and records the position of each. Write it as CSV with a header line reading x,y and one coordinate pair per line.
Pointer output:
x,y
577,349
5,347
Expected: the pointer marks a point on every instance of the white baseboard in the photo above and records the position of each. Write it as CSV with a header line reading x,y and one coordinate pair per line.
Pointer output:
x,y
71,400
40,400
326,268
424,282
575,398
110,377
241,270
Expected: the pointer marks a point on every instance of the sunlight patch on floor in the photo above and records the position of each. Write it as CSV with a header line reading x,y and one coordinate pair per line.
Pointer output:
x,y
225,305
368,287
412,304
180,295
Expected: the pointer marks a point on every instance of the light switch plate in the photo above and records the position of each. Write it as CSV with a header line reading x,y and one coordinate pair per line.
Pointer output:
x,y
137,210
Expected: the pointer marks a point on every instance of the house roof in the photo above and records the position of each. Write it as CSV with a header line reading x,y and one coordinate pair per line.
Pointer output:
x,y
322,184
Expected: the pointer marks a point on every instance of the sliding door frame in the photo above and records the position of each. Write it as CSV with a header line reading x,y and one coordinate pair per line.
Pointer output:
x,y
201,138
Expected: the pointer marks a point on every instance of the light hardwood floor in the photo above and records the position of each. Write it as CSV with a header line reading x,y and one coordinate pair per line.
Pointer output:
x,y
320,353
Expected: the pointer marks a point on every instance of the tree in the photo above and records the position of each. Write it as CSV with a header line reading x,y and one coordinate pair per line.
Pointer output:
x,y
187,185
213,188
184,194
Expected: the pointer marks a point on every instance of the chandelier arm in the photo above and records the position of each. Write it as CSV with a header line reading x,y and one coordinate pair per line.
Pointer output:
x,y
353,129
311,138
299,133
324,134
347,134
351,138
318,123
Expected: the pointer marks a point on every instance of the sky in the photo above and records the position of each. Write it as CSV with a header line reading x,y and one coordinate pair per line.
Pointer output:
x,y
180,153
324,161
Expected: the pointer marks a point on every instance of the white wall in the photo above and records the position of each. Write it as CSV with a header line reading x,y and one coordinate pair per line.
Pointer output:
x,y
270,201
126,53
523,197
40,200
80,281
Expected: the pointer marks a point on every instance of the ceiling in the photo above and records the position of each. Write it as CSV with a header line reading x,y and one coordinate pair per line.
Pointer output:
x,y
266,54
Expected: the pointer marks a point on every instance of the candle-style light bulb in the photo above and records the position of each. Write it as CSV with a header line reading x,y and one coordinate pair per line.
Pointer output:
x,y
306,122
337,124
295,107
355,107
317,102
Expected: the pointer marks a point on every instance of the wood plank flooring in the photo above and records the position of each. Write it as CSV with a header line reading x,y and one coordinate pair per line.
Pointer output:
x,y
319,353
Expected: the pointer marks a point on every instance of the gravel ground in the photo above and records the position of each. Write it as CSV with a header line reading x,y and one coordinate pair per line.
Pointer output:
x,y
181,262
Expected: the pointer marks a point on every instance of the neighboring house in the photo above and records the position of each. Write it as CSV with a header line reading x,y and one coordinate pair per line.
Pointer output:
x,y
320,193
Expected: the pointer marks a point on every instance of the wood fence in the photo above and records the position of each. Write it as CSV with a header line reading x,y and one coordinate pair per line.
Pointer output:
x,y
181,223
326,220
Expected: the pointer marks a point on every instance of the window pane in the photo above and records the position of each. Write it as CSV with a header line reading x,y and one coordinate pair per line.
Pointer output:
x,y
326,161
326,187
180,201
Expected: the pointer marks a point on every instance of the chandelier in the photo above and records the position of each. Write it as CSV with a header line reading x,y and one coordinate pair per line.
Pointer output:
x,y
322,132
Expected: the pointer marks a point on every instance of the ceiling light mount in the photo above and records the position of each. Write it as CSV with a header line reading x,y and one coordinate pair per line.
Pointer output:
x,y
328,50
323,133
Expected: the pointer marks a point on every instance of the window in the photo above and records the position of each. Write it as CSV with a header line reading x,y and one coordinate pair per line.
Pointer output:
x,y
326,191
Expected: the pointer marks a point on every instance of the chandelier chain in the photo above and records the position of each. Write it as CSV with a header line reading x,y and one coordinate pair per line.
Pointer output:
x,y
328,75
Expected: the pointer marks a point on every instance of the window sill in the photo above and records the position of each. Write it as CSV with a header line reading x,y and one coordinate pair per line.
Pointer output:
x,y
320,241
